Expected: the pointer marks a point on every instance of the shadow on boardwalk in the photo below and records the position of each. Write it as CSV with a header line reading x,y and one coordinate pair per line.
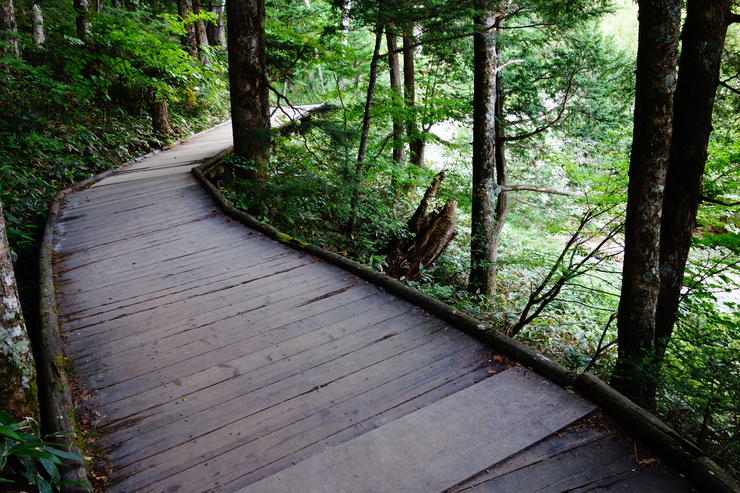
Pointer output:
x,y
217,359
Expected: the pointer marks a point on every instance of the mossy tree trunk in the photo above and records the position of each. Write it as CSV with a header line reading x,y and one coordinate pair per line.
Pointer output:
x,y
487,156
8,24
702,45
17,373
249,87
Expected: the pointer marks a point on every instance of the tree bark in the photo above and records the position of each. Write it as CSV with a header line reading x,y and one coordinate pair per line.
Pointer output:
x,y
188,40
397,91
201,37
434,234
702,42
17,372
248,82
8,24
160,117
216,32
416,140
81,8
655,84
38,24
360,165
421,211
485,98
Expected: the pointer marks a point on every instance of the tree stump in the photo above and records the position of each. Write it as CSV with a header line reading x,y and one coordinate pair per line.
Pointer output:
x,y
429,236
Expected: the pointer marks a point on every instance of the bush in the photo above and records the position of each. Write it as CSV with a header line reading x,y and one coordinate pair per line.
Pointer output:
x,y
25,455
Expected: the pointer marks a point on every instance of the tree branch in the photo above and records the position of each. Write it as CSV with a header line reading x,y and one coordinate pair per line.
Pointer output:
x,y
718,202
553,122
728,86
534,188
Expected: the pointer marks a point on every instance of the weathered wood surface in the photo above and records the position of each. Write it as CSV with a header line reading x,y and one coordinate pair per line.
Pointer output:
x,y
220,360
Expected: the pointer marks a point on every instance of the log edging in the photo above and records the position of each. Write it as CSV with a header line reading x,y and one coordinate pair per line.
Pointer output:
x,y
709,476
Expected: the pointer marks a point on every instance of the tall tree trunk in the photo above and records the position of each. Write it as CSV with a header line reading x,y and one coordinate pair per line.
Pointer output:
x,y
215,31
82,8
702,42
188,40
8,24
38,24
17,371
250,106
397,91
416,140
655,83
485,96
364,136
201,37
502,172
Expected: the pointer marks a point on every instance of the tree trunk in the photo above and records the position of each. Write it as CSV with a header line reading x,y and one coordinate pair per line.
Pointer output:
x,y
655,83
250,106
502,172
416,140
8,24
485,96
38,24
81,8
359,167
188,40
201,37
215,32
17,371
160,117
397,91
702,42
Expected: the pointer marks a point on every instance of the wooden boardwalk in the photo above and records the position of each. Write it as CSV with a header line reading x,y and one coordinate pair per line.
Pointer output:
x,y
217,359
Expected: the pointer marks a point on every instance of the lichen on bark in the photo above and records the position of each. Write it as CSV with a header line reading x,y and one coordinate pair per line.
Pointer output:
x,y
17,371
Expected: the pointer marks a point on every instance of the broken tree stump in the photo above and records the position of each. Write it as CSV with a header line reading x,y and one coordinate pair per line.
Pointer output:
x,y
429,236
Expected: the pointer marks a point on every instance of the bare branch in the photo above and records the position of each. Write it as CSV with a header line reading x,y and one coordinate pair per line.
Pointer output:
x,y
534,188
719,202
729,87
552,123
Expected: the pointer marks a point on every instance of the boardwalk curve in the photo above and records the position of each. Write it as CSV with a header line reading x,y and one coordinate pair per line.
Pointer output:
x,y
217,359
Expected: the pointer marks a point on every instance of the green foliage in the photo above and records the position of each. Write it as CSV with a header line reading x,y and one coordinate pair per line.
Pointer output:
x,y
700,379
71,110
24,453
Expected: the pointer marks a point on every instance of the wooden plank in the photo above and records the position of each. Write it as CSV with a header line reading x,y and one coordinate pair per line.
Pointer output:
x,y
157,283
155,404
251,289
395,406
189,316
604,464
180,249
441,444
570,439
290,414
168,354
191,331
163,286
237,376
279,404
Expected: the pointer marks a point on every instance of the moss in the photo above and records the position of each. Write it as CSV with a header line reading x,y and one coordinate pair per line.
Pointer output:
x,y
289,240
